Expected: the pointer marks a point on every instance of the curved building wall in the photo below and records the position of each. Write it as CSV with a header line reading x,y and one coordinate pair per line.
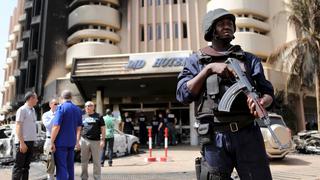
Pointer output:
x,y
93,27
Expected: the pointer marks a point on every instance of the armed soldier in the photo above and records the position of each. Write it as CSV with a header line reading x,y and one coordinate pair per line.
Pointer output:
x,y
229,139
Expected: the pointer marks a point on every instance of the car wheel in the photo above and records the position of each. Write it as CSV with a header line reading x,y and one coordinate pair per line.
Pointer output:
x,y
135,148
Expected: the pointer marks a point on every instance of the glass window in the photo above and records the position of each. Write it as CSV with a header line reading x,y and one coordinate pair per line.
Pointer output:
x,y
149,2
184,30
141,33
142,3
149,32
176,29
158,31
167,30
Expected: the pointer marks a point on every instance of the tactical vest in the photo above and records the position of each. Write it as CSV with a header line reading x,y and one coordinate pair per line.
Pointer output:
x,y
206,108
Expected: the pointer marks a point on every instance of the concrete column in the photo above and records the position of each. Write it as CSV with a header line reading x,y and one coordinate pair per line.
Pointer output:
x,y
99,102
193,134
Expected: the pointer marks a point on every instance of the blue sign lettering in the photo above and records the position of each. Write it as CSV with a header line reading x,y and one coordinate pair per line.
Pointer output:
x,y
169,62
135,64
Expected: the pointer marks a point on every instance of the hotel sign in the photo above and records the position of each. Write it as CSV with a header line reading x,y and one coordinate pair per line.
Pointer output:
x,y
161,61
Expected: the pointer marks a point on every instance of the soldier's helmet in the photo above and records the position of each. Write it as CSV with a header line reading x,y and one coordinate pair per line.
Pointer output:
x,y
211,18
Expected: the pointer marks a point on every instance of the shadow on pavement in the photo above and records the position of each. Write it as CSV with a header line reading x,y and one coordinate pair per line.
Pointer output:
x,y
291,161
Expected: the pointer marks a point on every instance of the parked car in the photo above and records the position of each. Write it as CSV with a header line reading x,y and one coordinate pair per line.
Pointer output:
x,y
7,145
282,132
124,144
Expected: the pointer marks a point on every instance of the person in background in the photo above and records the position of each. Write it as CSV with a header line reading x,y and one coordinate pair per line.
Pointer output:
x,y
155,125
109,122
92,141
47,120
143,133
127,124
161,128
171,125
67,124
26,134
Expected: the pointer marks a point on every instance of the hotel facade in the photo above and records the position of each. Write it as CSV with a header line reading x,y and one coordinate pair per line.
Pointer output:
x,y
126,55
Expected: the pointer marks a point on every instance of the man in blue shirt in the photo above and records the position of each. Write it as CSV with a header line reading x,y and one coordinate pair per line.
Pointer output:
x,y
66,125
229,139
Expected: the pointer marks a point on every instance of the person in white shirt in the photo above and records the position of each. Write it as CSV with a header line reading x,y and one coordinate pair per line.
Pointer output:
x,y
25,136
47,120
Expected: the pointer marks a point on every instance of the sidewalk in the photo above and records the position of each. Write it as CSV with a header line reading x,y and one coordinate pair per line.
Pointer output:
x,y
180,166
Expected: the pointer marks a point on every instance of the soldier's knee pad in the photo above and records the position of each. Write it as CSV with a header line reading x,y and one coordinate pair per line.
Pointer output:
x,y
207,172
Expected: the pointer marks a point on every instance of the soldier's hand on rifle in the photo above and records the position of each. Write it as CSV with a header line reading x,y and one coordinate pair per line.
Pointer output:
x,y
265,101
220,69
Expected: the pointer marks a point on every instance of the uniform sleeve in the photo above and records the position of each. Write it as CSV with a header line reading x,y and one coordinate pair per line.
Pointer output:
x,y
190,70
263,86
19,115
57,120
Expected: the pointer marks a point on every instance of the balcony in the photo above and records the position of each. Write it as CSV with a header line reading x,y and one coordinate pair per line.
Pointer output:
x,y
75,3
259,7
14,54
19,45
9,61
249,22
12,37
16,72
95,14
36,20
26,34
89,49
12,80
6,84
17,28
23,17
28,4
257,44
93,33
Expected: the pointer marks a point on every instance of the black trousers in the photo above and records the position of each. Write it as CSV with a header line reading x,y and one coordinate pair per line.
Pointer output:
x,y
108,144
21,166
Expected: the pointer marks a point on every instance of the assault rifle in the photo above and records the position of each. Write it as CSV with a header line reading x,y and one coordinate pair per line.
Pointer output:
x,y
243,85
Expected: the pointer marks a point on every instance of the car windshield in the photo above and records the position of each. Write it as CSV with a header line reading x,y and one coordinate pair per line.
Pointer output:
x,y
273,120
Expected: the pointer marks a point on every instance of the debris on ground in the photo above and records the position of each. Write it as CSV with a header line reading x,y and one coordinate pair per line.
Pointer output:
x,y
307,142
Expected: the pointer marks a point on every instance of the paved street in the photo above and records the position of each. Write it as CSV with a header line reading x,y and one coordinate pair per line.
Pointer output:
x,y
181,167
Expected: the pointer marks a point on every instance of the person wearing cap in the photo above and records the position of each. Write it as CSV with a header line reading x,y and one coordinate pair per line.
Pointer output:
x,y
67,124
92,141
109,121
26,134
229,139
47,120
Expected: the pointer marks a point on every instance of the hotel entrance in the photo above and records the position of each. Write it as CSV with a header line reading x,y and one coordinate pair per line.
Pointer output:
x,y
152,111
133,83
